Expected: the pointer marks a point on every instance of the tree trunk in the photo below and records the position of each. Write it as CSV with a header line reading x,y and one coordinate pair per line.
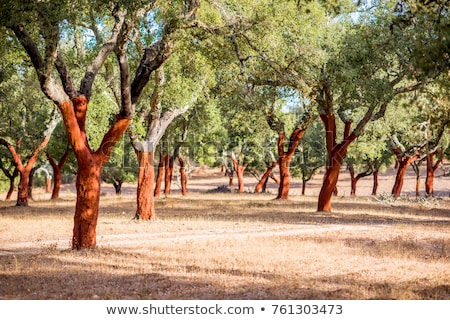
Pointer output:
x,y
57,172
353,189
264,186
30,183
22,188
48,184
398,184
145,193
230,174
418,186
431,170
329,185
57,179
117,187
285,178
160,174
183,178
263,181
284,160
240,176
11,178
429,182
403,164
354,180
304,186
168,175
336,154
375,182
239,169
86,209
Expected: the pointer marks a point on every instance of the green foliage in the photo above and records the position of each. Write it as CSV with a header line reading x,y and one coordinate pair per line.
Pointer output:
x,y
311,153
372,150
24,110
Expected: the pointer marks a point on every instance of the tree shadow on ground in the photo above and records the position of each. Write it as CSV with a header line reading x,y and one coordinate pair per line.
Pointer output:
x,y
32,276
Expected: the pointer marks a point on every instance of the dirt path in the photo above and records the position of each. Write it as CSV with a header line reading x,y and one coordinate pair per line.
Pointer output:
x,y
138,240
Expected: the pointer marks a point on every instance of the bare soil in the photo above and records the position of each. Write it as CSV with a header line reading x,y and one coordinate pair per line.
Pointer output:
x,y
215,245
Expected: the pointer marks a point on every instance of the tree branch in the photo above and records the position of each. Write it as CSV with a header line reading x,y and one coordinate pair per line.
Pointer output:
x,y
154,56
105,50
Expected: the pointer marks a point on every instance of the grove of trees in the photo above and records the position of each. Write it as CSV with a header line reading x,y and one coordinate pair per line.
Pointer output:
x,y
101,88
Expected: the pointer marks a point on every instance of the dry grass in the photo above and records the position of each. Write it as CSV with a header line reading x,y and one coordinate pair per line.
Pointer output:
x,y
210,246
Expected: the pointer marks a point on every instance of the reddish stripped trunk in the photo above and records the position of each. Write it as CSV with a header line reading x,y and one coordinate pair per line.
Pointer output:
x,y
239,169
336,154
284,160
11,178
57,173
183,178
403,161
168,174
330,180
263,181
397,188
429,183
375,182
57,180
86,209
403,164
23,191
48,184
145,190
431,170
285,177
159,175
240,176
353,186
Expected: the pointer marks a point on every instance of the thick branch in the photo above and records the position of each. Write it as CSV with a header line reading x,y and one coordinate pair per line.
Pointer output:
x,y
126,108
65,77
106,49
16,157
154,56
42,65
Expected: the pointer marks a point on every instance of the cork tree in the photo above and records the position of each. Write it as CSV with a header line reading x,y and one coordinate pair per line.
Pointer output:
x,y
38,28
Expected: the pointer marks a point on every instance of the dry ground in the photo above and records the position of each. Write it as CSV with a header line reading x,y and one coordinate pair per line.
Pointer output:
x,y
230,246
